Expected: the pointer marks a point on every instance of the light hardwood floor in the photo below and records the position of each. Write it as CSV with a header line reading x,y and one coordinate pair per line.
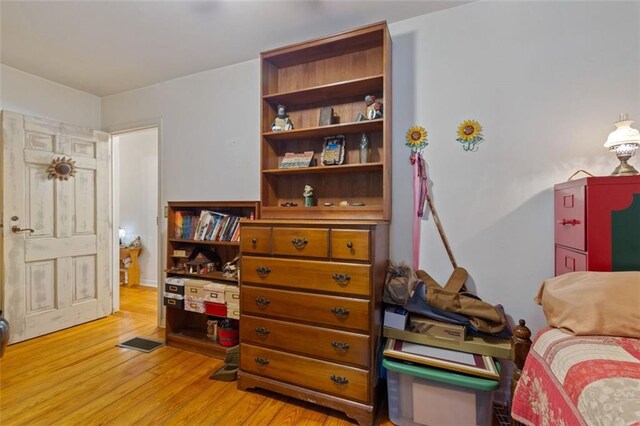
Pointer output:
x,y
79,377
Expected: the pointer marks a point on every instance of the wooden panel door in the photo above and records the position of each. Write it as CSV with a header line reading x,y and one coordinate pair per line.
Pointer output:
x,y
56,233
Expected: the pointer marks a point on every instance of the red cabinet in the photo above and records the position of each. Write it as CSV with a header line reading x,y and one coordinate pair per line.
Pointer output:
x,y
597,224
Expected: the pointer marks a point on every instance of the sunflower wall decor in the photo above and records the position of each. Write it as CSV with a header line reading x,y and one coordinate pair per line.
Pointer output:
x,y
416,139
61,168
470,135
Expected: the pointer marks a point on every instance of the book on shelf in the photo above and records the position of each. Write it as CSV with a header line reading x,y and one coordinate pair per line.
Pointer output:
x,y
185,224
215,226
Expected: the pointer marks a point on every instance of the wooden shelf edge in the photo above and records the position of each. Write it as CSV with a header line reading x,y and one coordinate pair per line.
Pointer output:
x,y
325,92
334,129
490,346
209,242
209,276
343,168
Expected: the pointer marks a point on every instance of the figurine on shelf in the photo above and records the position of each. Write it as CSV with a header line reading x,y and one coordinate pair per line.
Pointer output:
x,y
364,149
308,196
282,121
374,108
136,243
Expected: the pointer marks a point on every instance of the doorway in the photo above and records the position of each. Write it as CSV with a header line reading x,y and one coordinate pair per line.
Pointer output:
x,y
135,193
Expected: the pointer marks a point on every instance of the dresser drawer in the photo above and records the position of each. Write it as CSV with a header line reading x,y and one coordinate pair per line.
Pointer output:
x,y
335,277
569,261
328,310
308,242
350,244
255,239
335,379
570,217
329,344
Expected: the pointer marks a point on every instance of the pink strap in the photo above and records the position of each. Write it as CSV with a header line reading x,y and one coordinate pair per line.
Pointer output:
x,y
420,189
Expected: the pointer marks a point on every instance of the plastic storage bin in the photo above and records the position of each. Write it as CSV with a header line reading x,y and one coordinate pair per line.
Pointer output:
x,y
421,395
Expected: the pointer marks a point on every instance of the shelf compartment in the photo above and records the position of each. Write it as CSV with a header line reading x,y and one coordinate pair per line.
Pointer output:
x,y
326,47
322,131
327,92
195,340
371,212
344,168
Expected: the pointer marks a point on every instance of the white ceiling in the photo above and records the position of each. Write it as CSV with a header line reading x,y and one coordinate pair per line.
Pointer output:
x,y
106,47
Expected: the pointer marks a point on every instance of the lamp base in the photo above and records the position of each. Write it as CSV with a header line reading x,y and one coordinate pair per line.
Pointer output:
x,y
624,169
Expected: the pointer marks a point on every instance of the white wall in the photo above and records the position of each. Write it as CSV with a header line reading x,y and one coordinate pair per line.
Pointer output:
x,y
138,189
210,131
28,94
546,79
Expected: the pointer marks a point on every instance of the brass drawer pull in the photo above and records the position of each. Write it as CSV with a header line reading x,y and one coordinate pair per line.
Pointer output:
x,y
262,301
254,241
340,346
299,243
261,361
263,271
349,244
340,312
262,331
339,380
342,279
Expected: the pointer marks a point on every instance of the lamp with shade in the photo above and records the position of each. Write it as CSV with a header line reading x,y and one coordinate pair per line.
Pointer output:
x,y
122,234
625,140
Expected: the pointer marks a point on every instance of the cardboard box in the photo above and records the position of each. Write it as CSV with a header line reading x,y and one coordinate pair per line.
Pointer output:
x,y
232,294
395,317
214,292
173,300
194,304
195,288
233,311
441,330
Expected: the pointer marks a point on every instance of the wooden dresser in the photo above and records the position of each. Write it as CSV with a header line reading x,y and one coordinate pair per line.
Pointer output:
x,y
597,224
310,298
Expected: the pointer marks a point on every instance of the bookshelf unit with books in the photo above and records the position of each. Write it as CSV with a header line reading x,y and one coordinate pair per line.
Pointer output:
x,y
202,236
336,72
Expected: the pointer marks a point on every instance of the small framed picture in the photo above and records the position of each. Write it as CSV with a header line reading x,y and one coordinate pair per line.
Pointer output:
x,y
333,151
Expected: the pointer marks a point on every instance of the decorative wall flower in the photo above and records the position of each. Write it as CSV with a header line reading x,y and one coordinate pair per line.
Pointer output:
x,y
61,168
470,135
416,139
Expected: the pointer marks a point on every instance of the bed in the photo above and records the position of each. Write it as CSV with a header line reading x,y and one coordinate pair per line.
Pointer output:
x,y
572,380
574,375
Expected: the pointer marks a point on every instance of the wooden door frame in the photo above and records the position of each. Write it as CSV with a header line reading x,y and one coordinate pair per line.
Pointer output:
x,y
117,130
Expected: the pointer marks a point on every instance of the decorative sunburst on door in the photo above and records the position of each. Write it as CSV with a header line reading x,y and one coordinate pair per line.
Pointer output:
x,y
61,168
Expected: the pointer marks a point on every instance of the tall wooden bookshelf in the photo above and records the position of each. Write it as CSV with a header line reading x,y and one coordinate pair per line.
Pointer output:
x,y
310,329
185,329
336,71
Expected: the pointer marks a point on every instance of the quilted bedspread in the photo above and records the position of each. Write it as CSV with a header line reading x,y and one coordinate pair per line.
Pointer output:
x,y
579,380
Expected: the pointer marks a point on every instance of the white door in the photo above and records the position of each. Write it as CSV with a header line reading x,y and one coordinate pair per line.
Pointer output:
x,y
56,233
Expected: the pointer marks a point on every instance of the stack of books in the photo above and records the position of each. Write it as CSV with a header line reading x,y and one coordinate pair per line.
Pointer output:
x,y
215,226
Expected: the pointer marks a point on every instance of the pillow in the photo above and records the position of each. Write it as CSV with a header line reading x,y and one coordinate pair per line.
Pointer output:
x,y
593,303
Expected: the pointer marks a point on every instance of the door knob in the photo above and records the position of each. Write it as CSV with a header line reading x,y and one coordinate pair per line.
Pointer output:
x,y
15,229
